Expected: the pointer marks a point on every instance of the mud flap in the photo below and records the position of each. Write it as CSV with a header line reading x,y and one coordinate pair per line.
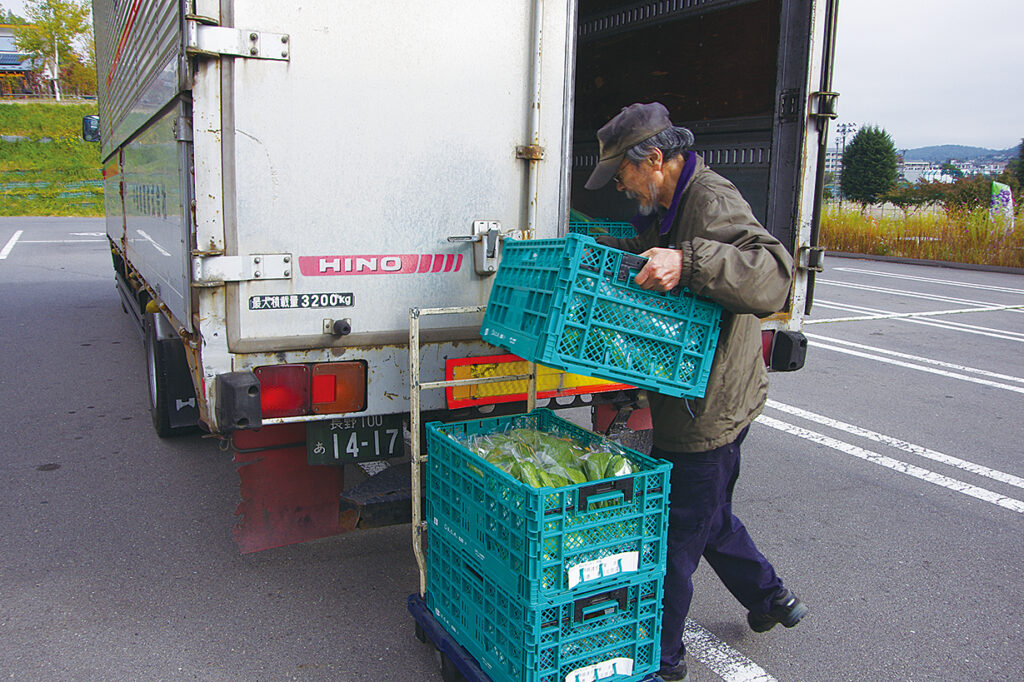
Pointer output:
x,y
284,500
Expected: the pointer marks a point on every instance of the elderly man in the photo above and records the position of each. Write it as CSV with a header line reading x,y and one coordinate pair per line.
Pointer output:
x,y
698,231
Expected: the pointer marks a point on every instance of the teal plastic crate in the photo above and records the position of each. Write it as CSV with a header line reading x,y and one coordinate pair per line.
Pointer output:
x,y
611,634
605,228
572,304
543,543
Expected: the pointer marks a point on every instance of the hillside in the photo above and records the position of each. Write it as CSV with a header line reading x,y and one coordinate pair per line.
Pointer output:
x,y
45,166
958,152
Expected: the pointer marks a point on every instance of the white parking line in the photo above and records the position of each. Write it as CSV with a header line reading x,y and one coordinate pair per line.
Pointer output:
x,y
921,368
931,280
907,294
896,465
6,251
920,450
875,314
726,662
918,358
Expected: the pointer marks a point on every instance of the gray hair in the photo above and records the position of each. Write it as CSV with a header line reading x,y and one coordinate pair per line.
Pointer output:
x,y
672,142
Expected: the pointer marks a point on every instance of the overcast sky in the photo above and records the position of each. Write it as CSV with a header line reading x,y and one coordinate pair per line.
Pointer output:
x,y
929,73
935,72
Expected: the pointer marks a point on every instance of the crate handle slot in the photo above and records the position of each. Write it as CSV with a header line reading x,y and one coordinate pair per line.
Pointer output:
x,y
601,604
629,262
620,488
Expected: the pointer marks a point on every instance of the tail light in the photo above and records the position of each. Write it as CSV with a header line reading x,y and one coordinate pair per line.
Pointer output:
x,y
324,388
284,390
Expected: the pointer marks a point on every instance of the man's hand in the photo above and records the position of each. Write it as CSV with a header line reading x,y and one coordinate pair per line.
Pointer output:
x,y
663,270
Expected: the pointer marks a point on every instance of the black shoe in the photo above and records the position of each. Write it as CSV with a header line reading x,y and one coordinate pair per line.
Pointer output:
x,y
785,609
676,673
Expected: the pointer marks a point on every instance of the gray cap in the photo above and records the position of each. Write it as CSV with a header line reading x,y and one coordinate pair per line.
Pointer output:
x,y
630,127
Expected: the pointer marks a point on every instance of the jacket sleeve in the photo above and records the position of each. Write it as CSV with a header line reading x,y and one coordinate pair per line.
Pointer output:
x,y
733,260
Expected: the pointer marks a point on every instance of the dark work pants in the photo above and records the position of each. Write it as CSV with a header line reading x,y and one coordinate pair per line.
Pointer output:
x,y
701,523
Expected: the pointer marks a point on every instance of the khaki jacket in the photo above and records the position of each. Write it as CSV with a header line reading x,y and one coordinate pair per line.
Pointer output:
x,y
731,259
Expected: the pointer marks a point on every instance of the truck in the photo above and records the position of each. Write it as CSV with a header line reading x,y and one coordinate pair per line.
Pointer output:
x,y
286,184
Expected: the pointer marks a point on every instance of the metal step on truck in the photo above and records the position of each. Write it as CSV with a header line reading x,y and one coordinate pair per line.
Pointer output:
x,y
286,181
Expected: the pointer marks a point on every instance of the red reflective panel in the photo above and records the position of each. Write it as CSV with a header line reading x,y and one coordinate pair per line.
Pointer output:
x,y
284,390
347,387
323,388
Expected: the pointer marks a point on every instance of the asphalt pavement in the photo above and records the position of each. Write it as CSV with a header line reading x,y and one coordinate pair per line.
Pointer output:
x,y
884,480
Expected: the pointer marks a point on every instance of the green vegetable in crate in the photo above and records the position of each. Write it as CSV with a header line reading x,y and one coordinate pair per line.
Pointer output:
x,y
541,459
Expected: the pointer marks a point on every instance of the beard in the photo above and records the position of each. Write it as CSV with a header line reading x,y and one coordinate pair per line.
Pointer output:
x,y
645,206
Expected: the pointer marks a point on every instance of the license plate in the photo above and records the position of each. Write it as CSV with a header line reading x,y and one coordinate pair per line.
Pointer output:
x,y
355,439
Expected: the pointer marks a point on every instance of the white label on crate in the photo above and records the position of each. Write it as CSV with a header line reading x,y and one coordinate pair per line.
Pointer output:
x,y
601,568
600,671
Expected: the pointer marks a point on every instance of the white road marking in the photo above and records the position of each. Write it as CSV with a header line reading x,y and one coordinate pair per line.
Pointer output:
x,y
917,358
88,234
726,662
155,245
896,465
921,368
908,294
931,280
899,316
6,251
922,451
875,314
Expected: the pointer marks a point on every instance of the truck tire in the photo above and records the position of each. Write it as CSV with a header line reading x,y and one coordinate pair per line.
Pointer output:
x,y
172,401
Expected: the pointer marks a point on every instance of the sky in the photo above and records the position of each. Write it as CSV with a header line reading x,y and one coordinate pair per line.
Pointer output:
x,y
928,72
934,72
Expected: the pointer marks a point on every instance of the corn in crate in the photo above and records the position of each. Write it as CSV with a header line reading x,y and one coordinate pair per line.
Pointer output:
x,y
611,634
572,304
546,506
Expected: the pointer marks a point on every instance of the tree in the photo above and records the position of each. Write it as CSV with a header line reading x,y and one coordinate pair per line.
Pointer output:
x,y
1018,164
53,27
869,166
950,169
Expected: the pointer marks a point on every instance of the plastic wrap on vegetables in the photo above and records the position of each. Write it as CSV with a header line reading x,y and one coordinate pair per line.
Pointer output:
x,y
541,459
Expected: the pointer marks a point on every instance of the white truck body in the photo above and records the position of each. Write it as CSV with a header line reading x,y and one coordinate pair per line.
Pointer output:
x,y
283,180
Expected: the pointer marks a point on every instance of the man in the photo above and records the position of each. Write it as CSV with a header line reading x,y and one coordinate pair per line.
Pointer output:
x,y
697,231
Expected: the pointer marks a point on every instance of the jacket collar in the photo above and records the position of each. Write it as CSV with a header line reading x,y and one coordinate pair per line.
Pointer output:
x,y
642,222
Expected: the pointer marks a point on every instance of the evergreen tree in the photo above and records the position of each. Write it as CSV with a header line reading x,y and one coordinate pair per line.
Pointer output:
x,y
1019,164
869,166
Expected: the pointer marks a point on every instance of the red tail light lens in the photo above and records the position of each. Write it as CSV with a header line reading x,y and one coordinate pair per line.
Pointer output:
x,y
284,390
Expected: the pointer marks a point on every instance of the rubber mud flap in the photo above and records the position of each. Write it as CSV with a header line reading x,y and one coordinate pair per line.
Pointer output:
x,y
284,499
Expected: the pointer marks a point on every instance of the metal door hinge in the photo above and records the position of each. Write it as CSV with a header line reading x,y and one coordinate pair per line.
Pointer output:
x,y
212,271
824,104
487,239
183,129
789,106
812,258
203,40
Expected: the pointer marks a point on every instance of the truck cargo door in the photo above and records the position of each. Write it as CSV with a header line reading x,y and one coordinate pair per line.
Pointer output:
x,y
389,128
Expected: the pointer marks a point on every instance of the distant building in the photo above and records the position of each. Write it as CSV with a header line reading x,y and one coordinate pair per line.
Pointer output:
x,y
14,65
833,161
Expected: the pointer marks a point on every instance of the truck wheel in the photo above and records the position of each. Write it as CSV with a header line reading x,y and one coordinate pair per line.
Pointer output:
x,y
165,368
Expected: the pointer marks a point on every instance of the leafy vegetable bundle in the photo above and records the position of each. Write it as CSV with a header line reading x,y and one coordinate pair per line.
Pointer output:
x,y
541,459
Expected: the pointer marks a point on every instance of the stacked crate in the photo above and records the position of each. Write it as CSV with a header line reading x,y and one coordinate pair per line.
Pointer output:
x,y
545,584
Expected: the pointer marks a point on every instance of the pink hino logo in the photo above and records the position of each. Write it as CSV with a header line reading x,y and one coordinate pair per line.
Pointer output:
x,y
400,264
